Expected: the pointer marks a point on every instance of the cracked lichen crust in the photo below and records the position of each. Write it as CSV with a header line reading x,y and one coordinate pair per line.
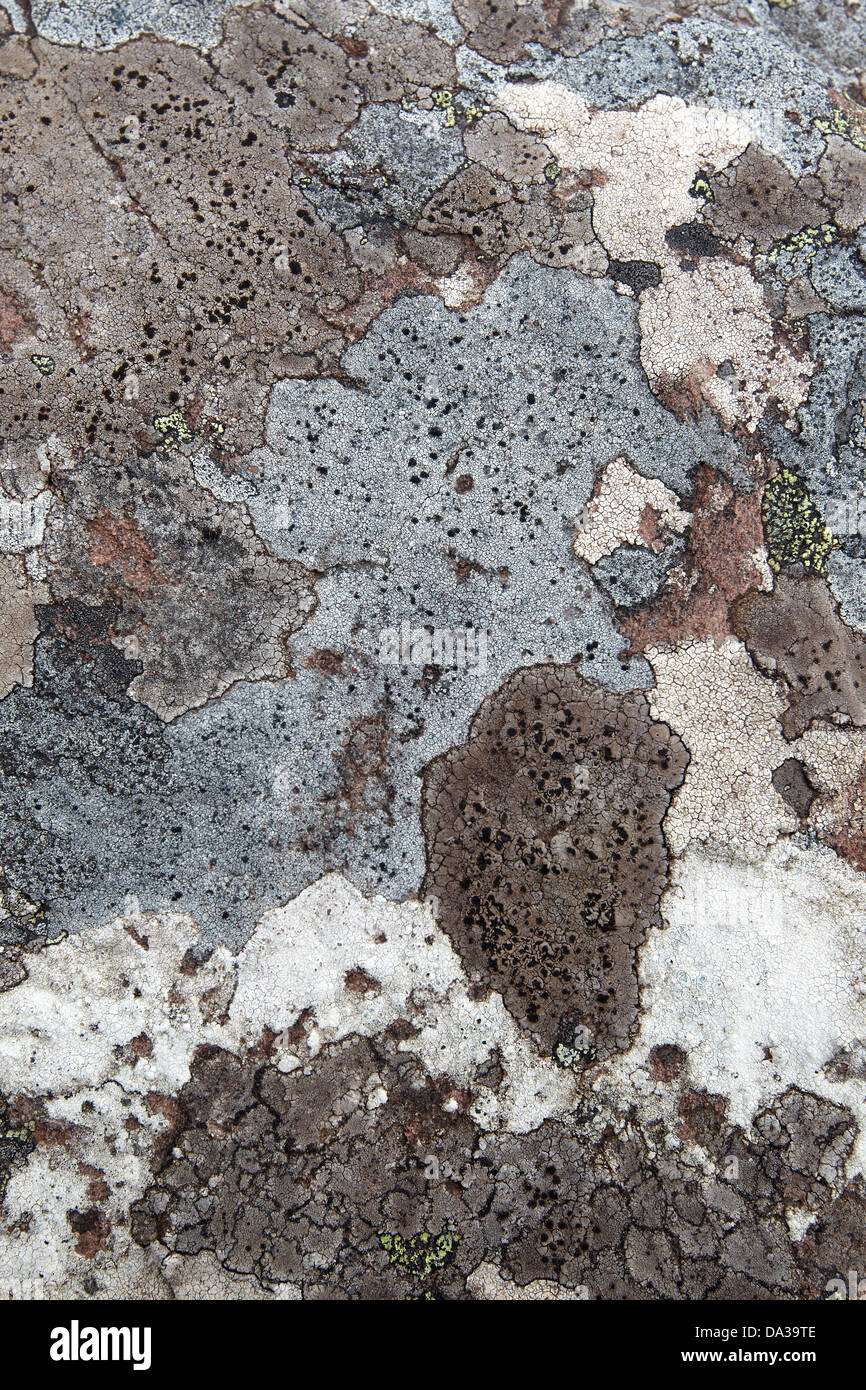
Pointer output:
x,y
432,737
545,851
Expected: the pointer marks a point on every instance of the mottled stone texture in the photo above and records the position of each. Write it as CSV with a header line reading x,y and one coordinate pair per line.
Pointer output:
x,y
432,622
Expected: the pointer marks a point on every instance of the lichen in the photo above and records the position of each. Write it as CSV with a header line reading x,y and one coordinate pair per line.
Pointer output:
x,y
794,527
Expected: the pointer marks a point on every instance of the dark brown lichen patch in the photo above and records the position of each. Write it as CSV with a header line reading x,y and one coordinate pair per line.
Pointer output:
x,y
791,781
666,1062
797,633
297,1178
545,850
757,197
153,544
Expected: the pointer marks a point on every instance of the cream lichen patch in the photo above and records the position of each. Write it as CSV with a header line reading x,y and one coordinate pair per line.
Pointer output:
x,y
645,160
626,509
695,321
728,716
794,927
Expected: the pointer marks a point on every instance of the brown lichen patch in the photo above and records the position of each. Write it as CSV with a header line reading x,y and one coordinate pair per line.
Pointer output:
x,y
842,172
798,634
362,761
359,981
326,661
92,1228
297,1178
217,276
846,833
683,395
722,561
484,208
701,1117
157,546
117,544
16,321
666,1062
757,197
545,850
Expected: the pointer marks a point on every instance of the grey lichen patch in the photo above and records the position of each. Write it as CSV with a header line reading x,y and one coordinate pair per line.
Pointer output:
x,y
432,459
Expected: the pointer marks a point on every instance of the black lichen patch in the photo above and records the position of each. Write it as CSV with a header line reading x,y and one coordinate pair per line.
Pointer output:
x,y
693,239
638,275
545,849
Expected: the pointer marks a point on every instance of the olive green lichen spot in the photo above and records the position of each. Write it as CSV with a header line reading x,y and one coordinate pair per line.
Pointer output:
x,y
43,362
793,526
420,1254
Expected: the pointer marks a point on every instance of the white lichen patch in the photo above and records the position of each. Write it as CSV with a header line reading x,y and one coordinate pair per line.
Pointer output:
x,y
22,523
106,1023
627,509
358,964
727,714
487,1283
696,320
644,161
760,976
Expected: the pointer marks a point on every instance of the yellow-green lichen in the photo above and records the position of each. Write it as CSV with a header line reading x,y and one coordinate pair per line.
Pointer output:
x,y
794,528
701,188
457,108
43,362
420,1254
19,1135
173,425
848,127
807,242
